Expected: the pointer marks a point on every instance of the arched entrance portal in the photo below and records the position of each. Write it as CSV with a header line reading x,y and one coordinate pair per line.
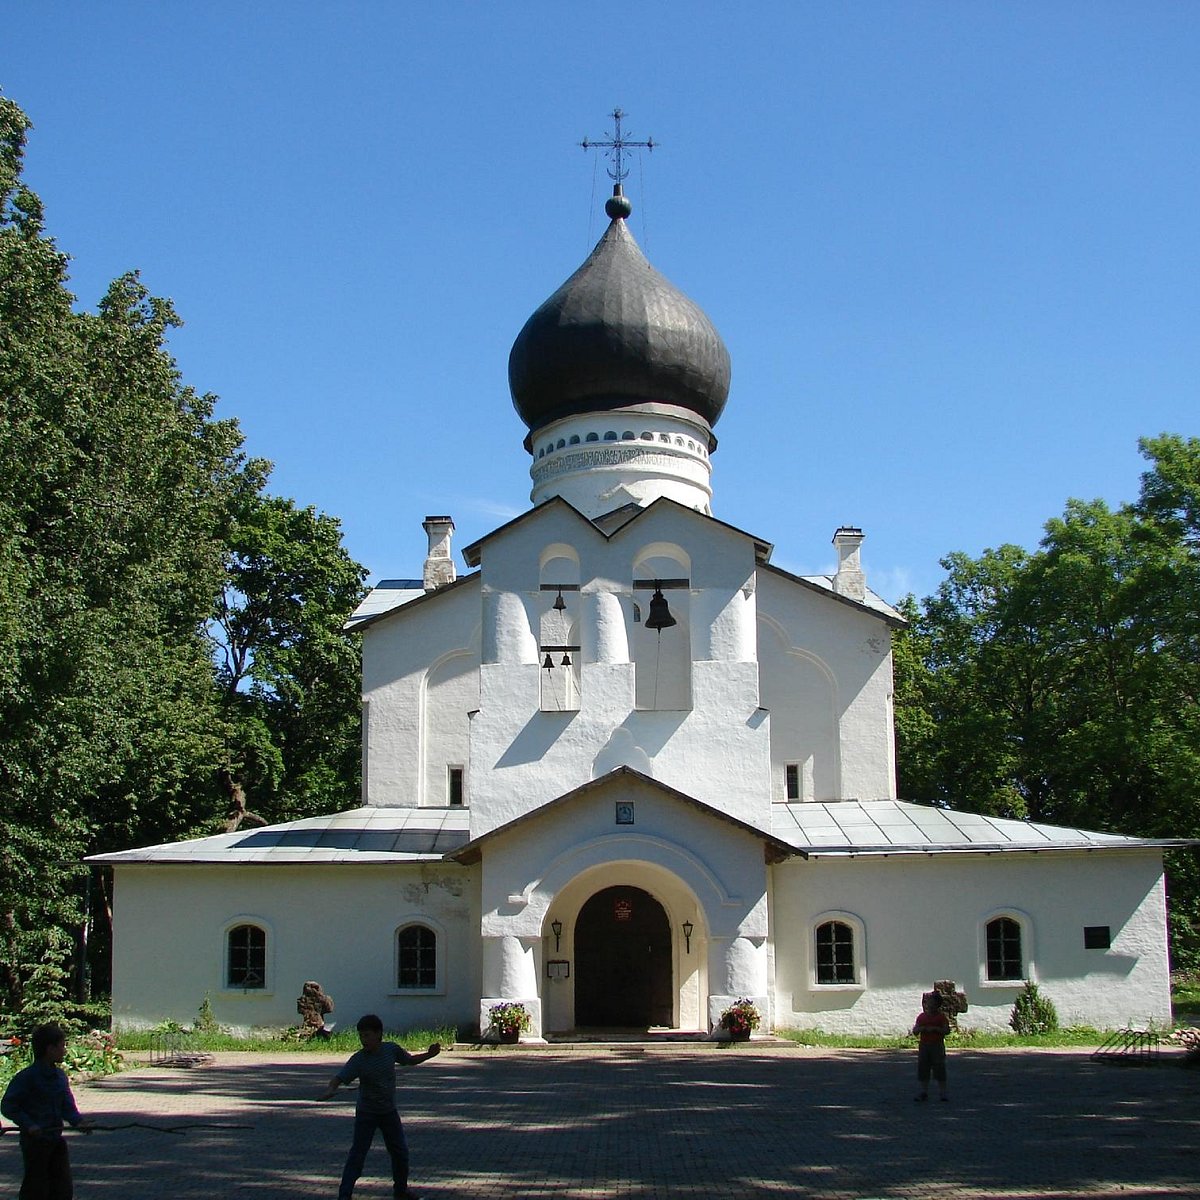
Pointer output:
x,y
623,961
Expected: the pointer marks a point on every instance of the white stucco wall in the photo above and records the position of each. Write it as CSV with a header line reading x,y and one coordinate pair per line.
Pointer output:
x,y
826,677
760,671
420,681
716,748
700,868
921,918
333,924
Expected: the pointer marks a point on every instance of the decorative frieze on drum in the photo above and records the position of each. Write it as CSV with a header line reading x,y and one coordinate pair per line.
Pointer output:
x,y
610,456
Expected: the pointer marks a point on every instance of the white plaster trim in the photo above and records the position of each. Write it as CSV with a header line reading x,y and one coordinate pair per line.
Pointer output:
x,y
540,893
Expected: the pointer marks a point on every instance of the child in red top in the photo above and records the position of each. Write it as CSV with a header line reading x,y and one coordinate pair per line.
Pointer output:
x,y
932,1027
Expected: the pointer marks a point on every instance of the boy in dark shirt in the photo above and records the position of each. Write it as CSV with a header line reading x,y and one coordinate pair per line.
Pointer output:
x,y
374,1066
39,1102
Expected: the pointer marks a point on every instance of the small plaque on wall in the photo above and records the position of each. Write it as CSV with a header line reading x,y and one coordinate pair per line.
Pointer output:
x,y
558,968
624,812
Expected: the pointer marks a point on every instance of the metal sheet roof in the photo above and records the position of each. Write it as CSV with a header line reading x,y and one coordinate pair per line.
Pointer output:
x,y
844,828
833,829
360,835
384,596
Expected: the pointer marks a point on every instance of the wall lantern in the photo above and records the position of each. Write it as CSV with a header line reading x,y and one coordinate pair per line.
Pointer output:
x,y
687,934
659,617
556,929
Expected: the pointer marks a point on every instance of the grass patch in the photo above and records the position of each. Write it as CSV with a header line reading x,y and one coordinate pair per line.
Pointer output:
x,y
965,1039
277,1041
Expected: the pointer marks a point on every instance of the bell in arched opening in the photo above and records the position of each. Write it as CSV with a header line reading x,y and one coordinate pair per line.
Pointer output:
x,y
659,617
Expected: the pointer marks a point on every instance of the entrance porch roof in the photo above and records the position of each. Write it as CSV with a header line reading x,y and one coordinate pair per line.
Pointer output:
x,y
774,847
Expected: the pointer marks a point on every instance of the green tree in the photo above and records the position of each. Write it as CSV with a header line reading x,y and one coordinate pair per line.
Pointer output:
x,y
1062,685
288,676
128,517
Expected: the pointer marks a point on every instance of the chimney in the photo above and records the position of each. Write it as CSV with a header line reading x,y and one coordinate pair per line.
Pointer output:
x,y
849,580
439,566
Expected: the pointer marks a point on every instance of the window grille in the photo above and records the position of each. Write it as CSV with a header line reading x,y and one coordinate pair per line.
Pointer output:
x,y
835,953
416,958
246,957
1004,960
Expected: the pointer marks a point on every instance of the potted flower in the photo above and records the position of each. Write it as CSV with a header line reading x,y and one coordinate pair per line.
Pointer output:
x,y
739,1019
510,1019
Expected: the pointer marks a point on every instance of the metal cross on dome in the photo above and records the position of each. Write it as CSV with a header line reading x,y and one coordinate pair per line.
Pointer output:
x,y
615,147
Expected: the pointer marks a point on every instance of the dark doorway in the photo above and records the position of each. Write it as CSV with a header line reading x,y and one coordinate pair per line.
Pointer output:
x,y
622,961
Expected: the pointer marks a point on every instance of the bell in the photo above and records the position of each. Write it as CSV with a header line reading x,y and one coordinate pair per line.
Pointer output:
x,y
566,662
559,602
549,663
660,615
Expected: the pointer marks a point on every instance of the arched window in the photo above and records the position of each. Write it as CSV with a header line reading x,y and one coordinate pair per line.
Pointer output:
x,y
835,953
1004,957
246,957
416,958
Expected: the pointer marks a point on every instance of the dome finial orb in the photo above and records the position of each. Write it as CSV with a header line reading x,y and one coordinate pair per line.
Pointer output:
x,y
617,206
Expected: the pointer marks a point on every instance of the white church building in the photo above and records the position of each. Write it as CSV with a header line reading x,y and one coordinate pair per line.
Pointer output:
x,y
625,770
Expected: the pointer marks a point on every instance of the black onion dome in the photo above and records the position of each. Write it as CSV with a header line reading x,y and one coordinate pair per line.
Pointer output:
x,y
615,335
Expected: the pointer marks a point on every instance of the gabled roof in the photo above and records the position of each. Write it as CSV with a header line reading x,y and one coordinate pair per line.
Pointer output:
x,y
832,829
368,835
471,851
848,828
360,619
472,553
383,597
876,605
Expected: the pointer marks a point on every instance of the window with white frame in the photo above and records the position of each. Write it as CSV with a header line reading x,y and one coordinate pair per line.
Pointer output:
x,y
416,959
1005,954
835,958
246,957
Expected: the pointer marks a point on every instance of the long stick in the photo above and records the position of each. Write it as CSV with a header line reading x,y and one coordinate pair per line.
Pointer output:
x,y
179,1129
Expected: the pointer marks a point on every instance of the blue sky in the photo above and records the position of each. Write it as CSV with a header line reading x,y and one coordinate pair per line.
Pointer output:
x,y
954,249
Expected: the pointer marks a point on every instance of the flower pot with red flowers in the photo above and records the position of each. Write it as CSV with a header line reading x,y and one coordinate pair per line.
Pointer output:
x,y
740,1019
509,1020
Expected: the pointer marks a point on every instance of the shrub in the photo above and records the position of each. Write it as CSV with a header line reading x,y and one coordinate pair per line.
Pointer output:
x,y
1033,1013
206,1020
94,1053
15,1054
